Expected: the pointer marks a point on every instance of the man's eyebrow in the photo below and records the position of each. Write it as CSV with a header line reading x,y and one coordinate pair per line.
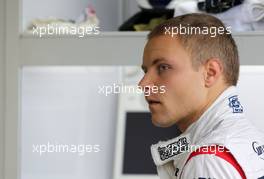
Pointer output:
x,y
157,60
153,63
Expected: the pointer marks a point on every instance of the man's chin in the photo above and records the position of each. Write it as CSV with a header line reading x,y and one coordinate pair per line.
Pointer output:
x,y
159,122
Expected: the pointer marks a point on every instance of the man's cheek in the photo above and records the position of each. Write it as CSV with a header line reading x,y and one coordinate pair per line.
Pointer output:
x,y
162,89
174,101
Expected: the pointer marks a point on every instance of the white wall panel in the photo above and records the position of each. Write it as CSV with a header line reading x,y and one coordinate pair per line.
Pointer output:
x,y
63,105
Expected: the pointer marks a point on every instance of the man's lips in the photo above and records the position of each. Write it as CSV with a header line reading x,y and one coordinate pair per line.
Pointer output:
x,y
153,101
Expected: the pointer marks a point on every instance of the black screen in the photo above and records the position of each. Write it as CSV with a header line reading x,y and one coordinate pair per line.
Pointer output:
x,y
140,134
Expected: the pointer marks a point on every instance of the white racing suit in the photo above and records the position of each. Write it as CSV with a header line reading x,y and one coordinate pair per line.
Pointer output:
x,y
222,125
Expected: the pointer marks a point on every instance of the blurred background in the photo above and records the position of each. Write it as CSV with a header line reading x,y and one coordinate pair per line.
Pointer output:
x,y
141,15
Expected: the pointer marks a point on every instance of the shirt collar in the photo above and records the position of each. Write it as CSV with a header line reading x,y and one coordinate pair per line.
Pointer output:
x,y
225,106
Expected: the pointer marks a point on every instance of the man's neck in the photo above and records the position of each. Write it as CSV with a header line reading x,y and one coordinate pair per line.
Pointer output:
x,y
213,94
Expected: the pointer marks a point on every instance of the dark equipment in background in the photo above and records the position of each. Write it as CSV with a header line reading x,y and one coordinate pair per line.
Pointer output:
x,y
144,17
217,6
149,17
140,134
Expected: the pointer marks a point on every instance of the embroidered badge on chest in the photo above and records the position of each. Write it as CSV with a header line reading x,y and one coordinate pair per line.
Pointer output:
x,y
235,104
173,149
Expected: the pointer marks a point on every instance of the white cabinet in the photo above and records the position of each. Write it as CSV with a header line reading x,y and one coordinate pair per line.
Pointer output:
x,y
67,124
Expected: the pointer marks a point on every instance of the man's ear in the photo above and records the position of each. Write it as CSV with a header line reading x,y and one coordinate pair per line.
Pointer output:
x,y
213,69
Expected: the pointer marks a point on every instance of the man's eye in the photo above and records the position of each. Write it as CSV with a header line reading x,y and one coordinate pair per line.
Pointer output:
x,y
163,67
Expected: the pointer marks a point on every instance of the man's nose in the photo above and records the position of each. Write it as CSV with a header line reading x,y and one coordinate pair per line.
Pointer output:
x,y
146,83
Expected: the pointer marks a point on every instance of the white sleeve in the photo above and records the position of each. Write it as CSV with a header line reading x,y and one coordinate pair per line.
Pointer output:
x,y
209,166
166,171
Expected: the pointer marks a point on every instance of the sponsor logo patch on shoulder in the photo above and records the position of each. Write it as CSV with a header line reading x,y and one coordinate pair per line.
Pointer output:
x,y
175,148
258,149
235,104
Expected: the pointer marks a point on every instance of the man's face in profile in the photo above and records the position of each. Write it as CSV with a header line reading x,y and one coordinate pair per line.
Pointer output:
x,y
167,63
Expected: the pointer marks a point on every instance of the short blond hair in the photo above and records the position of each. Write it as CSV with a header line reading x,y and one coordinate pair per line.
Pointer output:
x,y
202,47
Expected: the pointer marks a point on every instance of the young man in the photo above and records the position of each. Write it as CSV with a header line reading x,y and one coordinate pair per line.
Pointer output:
x,y
195,57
